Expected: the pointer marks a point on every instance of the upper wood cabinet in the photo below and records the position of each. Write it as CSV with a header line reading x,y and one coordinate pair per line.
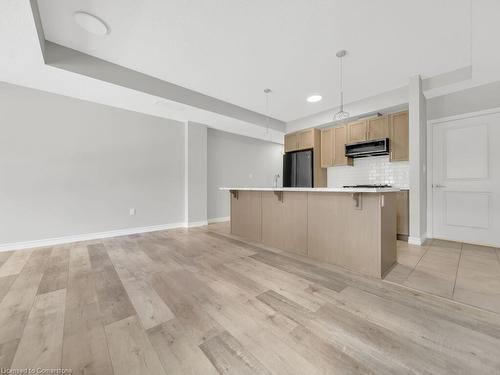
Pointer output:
x,y
378,127
333,143
326,148
306,139
339,141
291,142
393,126
399,136
300,140
357,131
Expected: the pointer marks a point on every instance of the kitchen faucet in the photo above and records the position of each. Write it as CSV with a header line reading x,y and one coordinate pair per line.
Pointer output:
x,y
276,178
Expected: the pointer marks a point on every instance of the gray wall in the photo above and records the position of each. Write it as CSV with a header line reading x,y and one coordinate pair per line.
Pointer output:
x,y
235,160
471,100
72,167
197,173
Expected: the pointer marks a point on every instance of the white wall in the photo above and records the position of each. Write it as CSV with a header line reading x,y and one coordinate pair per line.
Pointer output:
x,y
70,167
235,160
371,170
466,101
196,173
390,101
418,161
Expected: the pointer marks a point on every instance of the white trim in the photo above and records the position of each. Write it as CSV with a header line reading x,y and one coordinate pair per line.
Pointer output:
x,y
416,240
464,115
219,219
87,237
196,224
430,176
186,171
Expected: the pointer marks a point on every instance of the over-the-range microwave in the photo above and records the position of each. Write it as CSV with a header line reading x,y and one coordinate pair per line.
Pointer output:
x,y
372,147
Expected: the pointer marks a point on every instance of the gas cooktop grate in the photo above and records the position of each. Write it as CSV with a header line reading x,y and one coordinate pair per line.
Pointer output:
x,y
368,186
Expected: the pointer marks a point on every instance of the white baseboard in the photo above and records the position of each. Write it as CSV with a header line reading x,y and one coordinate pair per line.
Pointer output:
x,y
194,224
89,236
416,240
218,219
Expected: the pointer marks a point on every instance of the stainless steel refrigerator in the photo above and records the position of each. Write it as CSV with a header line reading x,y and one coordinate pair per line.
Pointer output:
x,y
298,169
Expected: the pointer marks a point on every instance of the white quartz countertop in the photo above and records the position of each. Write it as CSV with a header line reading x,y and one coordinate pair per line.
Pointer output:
x,y
318,190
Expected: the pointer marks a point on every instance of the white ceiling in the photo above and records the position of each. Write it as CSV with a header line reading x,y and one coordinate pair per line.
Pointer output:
x,y
233,49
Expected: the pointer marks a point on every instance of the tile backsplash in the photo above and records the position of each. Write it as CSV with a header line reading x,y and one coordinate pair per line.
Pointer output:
x,y
371,170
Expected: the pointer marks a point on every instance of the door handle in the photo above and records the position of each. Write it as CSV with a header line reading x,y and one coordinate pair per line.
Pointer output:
x,y
439,186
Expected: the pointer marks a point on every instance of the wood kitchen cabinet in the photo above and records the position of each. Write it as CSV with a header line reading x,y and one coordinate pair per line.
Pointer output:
x,y
246,214
300,140
357,131
403,217
339,138
284,221
291,142
306,139
377,127
326,148
333,143
399,136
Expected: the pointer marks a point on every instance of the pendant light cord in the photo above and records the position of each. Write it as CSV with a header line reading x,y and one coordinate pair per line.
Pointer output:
x,y
267,92
341,86
341,115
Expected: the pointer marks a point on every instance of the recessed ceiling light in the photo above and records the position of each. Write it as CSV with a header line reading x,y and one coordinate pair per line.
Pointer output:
x,y
314,98
90,23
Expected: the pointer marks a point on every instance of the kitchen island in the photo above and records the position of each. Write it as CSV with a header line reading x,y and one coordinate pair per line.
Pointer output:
x,y
350,227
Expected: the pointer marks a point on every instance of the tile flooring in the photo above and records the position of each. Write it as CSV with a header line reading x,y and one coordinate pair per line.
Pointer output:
x,y
462,272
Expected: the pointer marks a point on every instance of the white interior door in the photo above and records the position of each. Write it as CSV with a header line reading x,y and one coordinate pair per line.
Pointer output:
x,y
466,180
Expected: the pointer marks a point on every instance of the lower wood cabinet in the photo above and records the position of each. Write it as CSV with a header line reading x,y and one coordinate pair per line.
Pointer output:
x,y
325,226
246,214
284,220
403,214
344,239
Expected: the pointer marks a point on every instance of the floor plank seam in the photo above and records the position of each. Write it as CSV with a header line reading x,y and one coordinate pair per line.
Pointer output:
x,y
445,299
456,273
415,267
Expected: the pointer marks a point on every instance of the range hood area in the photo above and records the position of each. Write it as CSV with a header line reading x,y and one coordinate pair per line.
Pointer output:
x,y
374,147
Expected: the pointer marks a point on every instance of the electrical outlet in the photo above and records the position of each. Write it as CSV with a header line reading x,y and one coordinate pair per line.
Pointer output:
x,y
132,212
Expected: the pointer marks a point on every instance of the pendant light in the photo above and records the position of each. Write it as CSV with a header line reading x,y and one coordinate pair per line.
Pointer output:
x,y
341,115
267,92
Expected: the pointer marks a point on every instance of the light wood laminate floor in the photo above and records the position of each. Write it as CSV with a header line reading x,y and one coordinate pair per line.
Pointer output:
x,y
465,273
197,301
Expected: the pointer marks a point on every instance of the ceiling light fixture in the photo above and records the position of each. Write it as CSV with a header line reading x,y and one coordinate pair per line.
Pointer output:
x,y
90,23
314,98
267,92
341,114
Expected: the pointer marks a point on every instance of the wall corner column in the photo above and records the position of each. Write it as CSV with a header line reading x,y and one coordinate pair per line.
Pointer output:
x,y
418,160
195,163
